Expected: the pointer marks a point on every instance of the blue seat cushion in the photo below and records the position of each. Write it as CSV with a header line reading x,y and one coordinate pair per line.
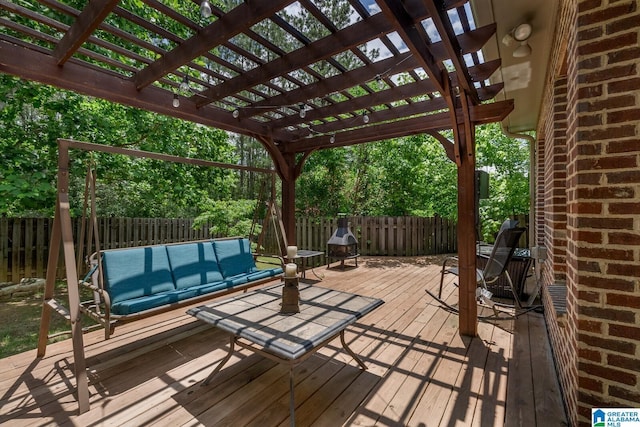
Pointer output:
x,y
193,264
212,287
136,272
137,305
262,274
234,257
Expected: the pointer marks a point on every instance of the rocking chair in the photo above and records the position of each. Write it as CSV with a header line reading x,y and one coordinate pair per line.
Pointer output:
x,y
496,267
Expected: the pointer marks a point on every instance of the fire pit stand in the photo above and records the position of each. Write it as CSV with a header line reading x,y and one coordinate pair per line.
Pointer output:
x,y
343,244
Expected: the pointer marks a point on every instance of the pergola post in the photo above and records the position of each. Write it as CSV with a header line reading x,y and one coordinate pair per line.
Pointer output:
x,y
288,178
467,233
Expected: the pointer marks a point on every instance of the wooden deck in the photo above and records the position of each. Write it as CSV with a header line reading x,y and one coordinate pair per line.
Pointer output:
x,y
421,371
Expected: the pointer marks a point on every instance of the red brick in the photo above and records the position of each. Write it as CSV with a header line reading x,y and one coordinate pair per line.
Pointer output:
x,y
590,266
624,238
626,23
616,315
590,120
611,102
606,192
623,362
589,34
622,55
624,177
632,397
624,208
602,15
591,63
625,146
587,5
611,73
607,44
589,296
621,300
624,86
589,236
592,327
606,253
590,384
609,162
621,116
624,331
589,208
605,134
589,179
608,373
591,355
588,399
586,149
586,92
609,283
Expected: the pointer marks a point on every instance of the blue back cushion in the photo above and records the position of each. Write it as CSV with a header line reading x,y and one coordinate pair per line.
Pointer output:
x,y
193,264
136,272
234,256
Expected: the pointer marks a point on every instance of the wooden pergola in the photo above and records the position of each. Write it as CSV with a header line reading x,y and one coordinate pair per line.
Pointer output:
x,y
288,73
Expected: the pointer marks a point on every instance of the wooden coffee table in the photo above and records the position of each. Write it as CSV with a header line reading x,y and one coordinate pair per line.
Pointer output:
x,y
253,321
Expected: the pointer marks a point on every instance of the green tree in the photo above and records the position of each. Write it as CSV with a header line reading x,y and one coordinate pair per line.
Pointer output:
x,y
34,116
507,161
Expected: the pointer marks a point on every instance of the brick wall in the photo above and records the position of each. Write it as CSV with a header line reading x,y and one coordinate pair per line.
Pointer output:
x,y
552,158
605,204
597,345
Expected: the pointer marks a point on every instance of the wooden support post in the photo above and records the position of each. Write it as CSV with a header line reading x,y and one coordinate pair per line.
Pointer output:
x,y
289,199
467,232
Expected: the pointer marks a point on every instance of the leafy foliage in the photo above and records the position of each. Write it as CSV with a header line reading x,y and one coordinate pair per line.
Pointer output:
x,y
507,161
34,116
230,217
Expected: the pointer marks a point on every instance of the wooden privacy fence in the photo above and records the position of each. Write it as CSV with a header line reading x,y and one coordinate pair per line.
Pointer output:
x,y
384,236
24,242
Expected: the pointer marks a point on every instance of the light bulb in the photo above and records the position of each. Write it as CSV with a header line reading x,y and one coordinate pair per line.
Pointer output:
x,y
332,139
236,114
303,111
522,51
365,118
522,32
184,86
176,101
205,9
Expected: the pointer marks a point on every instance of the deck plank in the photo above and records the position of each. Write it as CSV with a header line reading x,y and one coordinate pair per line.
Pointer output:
x,y
420,370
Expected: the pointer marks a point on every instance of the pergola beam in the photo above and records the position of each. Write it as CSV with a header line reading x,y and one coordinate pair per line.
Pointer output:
x,y
478,114
75,76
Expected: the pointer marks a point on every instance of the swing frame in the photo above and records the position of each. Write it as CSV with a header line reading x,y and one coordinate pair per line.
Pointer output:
x,y
62,236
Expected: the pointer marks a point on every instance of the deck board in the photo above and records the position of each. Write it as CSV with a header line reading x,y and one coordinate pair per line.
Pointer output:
x,y
420,370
